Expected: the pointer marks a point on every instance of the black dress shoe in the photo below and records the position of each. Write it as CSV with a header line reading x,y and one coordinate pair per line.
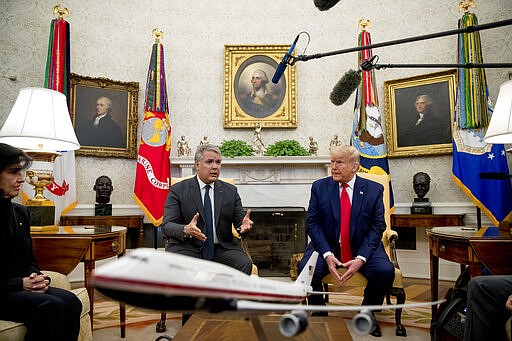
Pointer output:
x,y
376,331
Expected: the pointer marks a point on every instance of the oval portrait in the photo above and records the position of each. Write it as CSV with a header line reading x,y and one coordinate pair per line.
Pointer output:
x,y
254,91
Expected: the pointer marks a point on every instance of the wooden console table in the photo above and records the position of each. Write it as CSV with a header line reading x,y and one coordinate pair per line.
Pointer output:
x,y
129,221
486,246
61,250
426,220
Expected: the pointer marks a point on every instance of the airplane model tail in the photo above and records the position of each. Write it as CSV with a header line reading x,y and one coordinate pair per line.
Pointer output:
x,y
306,275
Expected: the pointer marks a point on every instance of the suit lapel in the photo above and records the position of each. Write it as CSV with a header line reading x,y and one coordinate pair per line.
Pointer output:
x,y
358,196
217,197
196,196
334,198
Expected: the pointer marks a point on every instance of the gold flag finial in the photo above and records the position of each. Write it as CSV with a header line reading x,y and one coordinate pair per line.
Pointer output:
x,y
60,11
364,24
464,5
157,34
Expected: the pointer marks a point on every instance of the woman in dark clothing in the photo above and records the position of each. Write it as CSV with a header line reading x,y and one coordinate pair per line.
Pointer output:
x,y
25,293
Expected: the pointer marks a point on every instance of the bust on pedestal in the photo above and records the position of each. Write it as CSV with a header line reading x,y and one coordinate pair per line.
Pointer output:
x,y
103,187
421,185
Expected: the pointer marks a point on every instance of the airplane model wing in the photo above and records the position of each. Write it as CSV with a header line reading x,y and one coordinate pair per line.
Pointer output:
x,y
167,281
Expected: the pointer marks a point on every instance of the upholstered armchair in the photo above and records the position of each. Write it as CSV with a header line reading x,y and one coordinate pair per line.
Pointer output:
x,y
388,239
14,331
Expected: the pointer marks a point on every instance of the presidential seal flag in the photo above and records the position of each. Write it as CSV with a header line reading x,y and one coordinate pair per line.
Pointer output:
x,y
153,164
367,134
471,155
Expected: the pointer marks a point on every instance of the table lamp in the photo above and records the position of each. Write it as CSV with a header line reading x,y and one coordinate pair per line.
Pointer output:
x,y
39,123
500,129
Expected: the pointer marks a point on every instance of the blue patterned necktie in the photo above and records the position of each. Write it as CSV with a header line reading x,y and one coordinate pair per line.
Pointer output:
x,y
208,248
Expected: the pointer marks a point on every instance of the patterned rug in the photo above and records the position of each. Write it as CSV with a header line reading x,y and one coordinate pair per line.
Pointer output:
x,y
106,315
414,317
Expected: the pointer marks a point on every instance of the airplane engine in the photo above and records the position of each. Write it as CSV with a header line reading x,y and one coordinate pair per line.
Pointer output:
x,y
293,324
364,322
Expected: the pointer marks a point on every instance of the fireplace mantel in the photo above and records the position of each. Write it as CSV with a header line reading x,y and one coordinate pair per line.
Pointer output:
x,y
265,169
266,181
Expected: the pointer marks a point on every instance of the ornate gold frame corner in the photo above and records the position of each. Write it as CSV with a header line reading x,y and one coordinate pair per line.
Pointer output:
x,y
278,109
84,92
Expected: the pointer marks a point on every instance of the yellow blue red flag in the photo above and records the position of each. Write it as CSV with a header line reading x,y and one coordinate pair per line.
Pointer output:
x,y
153,164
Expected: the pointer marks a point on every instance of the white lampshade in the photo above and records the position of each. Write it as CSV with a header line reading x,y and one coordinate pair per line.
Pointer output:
x,y
39,120
500,128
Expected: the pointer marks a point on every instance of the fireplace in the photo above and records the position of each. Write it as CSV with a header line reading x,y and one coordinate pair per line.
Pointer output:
x,y
277,234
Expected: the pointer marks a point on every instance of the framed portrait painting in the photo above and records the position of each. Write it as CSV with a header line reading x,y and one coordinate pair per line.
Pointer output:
x,y
419,114
104,115
250,97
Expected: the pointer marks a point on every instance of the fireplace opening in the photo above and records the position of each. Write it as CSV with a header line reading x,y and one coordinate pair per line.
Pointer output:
x,y
277,234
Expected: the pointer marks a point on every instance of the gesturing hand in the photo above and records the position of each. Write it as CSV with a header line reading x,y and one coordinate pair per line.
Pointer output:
x,y
192,230
246,222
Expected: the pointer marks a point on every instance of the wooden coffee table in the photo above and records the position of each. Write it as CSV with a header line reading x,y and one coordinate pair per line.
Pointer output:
x,y
234,326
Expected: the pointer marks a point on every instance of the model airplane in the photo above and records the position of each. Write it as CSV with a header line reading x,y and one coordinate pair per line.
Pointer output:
x,y
167,281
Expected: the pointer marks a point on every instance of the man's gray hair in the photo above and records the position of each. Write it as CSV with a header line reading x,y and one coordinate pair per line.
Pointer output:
x,y
203,148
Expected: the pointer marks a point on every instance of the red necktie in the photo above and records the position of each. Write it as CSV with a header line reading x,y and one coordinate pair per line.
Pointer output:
x,y
346,251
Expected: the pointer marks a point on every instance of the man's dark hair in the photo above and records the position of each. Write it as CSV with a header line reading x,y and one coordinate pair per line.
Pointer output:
x,y
10,155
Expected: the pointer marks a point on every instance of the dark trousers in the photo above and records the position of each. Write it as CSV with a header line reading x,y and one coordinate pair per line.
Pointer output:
x,y
378,270
234,258
54,315
486,313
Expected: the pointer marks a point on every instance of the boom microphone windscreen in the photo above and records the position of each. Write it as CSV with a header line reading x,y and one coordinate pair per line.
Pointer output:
x,y
324,5
345,87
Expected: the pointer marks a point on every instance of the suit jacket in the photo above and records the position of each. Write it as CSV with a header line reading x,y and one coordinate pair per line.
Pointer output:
x,y
184,201
17,259
366,218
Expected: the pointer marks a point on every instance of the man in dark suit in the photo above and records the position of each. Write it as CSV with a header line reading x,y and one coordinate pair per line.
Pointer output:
x,y
185,225
366,224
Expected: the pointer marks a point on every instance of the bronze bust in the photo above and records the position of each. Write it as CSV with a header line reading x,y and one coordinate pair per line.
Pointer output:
x,y
103,187
421,185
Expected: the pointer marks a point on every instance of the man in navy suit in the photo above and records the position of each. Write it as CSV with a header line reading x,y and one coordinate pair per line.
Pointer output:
x,y
366,227
184,226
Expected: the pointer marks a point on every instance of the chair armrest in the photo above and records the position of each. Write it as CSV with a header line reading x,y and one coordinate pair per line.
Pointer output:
x,y
390,237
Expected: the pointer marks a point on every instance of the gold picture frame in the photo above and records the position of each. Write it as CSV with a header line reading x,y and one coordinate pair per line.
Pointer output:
x,y
406,134
115,135
274,108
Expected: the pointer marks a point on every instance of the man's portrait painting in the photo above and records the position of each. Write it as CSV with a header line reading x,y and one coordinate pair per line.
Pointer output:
x,y
250,96
254,90
419,114
104,116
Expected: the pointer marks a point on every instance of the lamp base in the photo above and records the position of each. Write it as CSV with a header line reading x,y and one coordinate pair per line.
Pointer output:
x,y
41,215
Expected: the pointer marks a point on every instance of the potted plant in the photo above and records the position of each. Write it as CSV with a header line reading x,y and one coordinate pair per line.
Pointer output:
x,y
286,148
232,148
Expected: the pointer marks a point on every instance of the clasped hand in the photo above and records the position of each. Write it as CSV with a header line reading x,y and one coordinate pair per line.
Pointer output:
x,y
352,267
193,231
36,283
